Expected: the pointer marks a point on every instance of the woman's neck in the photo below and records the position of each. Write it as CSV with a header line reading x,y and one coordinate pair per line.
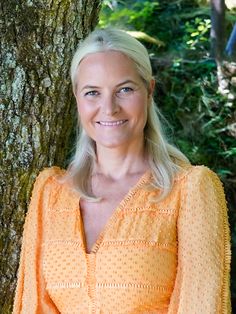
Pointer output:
x,y
116,163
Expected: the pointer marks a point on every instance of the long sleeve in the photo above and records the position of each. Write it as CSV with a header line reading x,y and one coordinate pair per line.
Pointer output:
x,y
31,296
202,280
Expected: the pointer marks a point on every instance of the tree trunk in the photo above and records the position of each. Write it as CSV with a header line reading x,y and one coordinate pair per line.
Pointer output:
x,y
218,42
217,29
37,109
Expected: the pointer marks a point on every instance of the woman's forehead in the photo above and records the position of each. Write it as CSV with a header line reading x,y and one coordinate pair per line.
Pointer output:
x,y
107,63
107,56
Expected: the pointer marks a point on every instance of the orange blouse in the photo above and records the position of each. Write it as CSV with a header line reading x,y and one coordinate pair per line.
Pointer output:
x,y
171,256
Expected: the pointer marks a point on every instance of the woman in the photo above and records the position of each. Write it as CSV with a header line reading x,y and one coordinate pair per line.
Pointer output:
x,y
131,226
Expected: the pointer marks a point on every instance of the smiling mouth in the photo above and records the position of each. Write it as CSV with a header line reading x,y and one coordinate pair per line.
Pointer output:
x,y
112,123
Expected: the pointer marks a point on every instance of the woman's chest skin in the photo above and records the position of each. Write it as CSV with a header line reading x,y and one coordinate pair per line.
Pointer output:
x,y
95,215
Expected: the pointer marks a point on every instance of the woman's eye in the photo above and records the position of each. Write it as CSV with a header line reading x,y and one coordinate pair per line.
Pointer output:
x,y
125,90
91,93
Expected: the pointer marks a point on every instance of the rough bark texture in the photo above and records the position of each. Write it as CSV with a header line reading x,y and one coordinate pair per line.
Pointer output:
x,y
37,110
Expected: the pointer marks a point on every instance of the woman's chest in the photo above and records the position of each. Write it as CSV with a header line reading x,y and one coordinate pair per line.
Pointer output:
x,y
134,221
116,218
134,259
96,215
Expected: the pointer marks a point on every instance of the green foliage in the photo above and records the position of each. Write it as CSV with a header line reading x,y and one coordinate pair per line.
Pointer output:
x,y
137,15
199,114
197,33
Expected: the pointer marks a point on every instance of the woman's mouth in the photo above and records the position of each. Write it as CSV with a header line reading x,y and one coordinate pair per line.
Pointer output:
x,y
112,123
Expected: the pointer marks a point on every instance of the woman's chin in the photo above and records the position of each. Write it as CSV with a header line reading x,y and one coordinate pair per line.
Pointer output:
x,y
112,143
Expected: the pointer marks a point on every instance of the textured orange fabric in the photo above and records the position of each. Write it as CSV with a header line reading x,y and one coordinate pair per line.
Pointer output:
x,y
171,256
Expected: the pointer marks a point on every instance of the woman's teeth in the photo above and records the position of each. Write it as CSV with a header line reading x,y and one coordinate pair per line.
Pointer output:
x,y
114,123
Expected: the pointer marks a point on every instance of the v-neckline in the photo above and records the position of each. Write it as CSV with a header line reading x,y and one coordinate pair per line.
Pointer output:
x,y
95,247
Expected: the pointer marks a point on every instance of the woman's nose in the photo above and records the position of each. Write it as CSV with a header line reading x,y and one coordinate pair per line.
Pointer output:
x,y
110,105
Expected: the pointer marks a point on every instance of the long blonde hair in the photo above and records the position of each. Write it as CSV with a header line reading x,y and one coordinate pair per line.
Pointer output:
x,y
164,159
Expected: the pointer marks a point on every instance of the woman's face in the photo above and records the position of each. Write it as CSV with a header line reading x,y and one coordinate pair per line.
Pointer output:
x,y
112,99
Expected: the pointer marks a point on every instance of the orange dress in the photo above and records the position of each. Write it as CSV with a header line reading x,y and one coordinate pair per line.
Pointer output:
x,y
171,256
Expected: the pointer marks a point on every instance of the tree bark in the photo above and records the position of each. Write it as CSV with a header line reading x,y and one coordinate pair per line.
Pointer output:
x,y
37,110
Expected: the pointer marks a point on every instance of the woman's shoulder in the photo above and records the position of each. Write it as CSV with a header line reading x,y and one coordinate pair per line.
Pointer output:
x,y
196,173
201,181
49,173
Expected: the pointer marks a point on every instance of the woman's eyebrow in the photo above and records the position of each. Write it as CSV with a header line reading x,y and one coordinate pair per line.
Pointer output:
x,y
126,82
89,87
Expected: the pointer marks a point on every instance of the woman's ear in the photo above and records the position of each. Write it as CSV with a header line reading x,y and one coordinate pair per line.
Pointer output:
x,y
75,90
151,87
75,93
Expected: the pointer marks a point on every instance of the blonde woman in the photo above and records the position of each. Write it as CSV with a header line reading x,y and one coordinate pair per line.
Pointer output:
x,y
131,226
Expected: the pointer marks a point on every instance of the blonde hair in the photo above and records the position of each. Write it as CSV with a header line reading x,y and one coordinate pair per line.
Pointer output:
x,y
164,159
